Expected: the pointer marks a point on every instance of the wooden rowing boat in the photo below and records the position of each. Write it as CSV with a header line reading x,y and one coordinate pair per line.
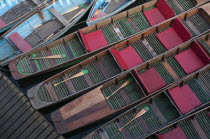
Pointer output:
x,y
12,11
195,125
103,9
169,105
45,24
109,64
131,87
76,48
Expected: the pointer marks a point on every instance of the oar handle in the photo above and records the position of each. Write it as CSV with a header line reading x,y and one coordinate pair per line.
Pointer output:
x,y
112,93
120,129
63,81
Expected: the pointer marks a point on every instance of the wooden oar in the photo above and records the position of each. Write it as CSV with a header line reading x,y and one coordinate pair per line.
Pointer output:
x,y
75,76
73,9
36,27
143,111
123,85
49,57
82,10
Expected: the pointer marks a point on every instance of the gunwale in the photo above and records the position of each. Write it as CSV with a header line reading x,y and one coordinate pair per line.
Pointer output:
x,y
18,75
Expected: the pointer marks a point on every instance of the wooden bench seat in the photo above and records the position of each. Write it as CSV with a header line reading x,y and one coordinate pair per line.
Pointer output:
x,y
19,42
184,98
151,80
175,35
162,12
127,58
94,40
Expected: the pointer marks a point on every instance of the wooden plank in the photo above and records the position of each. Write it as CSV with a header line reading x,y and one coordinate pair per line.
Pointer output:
x,y
52,60
9,97
68,50
158,113
125,131
13,109
46,133
170,70
42,127
178,6
194,29
8,123
53,135
117,30
103,69
149,47
143,124
203,86
130,20
24,125
88,80
199,129
6,92
18,123
69,84
31,128
37,2
59,17
51,91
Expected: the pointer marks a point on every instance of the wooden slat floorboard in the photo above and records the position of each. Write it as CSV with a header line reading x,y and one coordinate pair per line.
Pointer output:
x,y
17,117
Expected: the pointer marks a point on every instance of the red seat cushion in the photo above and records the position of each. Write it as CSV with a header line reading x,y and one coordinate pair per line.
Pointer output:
x,y
189,61
200,52
154,16
169,38
19,42
151,80
159,14
176,133
184,98
181,30
94,40
175,35
2,23
127,58
165,9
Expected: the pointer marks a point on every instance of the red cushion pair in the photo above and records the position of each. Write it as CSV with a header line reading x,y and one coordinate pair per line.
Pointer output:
x,y
94,40
159,14
193,58
127,58
175,35
151,80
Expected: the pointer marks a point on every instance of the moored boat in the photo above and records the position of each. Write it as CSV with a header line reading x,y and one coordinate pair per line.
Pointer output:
x,y
193,126
162,109
45,24
12,11
75,48
109,64
103,9
132,87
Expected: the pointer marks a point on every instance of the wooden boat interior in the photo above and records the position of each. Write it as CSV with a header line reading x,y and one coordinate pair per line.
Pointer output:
x,y
153,42
50,21
13,10
163,110
147,80
103,67
194,126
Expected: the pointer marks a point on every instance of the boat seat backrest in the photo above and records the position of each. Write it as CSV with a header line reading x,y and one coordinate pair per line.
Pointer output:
x,y
94,40
165,9
200,52
2,23
19,42
127,58
181,30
